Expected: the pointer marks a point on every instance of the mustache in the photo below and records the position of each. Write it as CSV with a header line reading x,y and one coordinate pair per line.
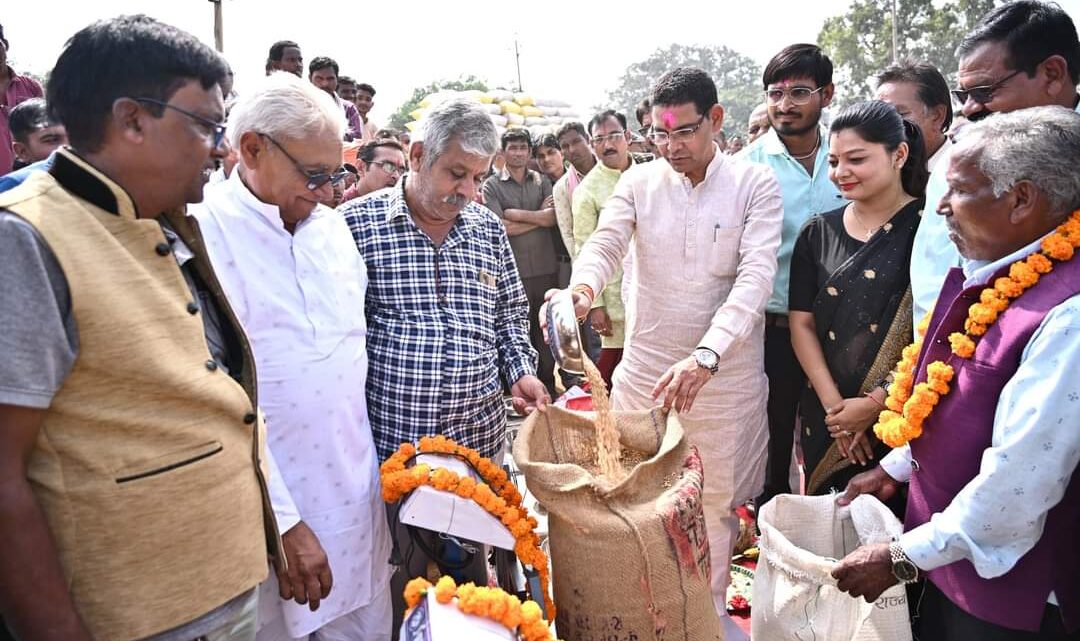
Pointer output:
x,y
455,200
979,115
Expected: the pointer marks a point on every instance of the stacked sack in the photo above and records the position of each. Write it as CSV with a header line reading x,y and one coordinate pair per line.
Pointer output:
x,y
507,110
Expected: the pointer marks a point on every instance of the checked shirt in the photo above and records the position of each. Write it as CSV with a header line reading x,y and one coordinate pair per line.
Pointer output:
x,y
443,324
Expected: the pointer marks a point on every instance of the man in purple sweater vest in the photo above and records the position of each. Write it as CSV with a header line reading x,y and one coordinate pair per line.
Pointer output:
x,y
993,500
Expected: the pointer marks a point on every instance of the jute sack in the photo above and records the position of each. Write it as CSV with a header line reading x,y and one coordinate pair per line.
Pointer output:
x,y
795,596
629,561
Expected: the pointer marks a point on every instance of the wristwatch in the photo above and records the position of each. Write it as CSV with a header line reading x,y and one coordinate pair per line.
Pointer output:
x,y
707,359
902,567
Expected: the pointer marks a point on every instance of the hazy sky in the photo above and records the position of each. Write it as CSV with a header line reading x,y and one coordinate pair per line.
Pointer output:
x,y
570,50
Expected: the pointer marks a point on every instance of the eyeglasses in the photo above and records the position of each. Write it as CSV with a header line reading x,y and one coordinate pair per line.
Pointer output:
x,y
388,167
217,128
683,134
983,94
614,136
314,180
798,96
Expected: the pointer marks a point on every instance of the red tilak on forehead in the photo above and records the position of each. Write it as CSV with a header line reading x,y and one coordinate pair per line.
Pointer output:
x,y
669,118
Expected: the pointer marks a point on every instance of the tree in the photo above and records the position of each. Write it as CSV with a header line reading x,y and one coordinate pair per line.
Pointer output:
x,y
860,41
463,83
737,77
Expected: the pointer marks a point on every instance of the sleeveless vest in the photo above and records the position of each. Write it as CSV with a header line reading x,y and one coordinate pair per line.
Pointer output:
x,y
948,454
148,464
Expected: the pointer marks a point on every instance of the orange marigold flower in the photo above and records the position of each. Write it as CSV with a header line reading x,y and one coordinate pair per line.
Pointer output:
x,y
530,613
982,314
1025,276
465,488
414,591
1008,287
973,328
1057,247
1040,263
962,345
445,589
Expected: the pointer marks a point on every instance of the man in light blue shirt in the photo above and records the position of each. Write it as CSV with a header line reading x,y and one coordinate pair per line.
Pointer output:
x,y
798,86
1000,71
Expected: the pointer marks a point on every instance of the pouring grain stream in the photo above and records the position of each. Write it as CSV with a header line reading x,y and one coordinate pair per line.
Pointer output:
x,y
608,449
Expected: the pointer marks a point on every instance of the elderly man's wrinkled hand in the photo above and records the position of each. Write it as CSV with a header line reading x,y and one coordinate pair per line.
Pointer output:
x,y
866,572
308,579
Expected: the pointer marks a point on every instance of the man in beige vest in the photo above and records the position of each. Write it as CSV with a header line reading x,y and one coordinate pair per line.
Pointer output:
x,y
132,500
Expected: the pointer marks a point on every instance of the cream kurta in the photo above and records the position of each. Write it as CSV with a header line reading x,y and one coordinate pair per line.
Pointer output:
x,y
705,258
300,298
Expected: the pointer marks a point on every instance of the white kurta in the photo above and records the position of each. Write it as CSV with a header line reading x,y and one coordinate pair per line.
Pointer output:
x,y
705,258
300,299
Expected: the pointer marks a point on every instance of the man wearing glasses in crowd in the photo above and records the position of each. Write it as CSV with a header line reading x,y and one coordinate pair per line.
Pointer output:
x,y
704,228
296,282
610,140
131,442
1022,54
381,163
798,86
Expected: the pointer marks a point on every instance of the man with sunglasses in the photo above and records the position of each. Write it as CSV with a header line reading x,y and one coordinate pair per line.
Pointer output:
x,y
381,163
1021,54
297,284
704,228
798,86
132,447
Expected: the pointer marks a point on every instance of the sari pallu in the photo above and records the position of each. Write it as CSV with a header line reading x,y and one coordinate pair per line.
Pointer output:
x,y
863,320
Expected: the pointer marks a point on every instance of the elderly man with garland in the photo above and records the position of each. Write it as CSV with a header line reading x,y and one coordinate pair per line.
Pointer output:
x,y
993,499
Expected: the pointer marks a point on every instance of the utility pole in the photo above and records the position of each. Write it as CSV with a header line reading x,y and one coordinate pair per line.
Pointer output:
x,y
894,49
219,27
517,59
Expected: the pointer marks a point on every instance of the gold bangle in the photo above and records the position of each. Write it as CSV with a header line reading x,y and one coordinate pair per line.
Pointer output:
x,y
586,290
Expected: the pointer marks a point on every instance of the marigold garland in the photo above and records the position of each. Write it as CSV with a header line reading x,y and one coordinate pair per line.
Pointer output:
x,y
497,495
909,405
526,619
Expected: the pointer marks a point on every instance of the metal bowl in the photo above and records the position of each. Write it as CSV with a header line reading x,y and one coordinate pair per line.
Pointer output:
x,y
563,335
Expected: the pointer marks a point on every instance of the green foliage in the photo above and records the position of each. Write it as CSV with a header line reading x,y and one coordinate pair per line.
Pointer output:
x,y
463,83
860,41
737,77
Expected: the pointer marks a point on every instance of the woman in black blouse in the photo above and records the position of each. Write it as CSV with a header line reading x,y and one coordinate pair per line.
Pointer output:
x,y
850,291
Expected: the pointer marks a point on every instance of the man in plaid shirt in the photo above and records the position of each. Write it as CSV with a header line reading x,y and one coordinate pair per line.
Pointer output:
x,y
446,310
446,315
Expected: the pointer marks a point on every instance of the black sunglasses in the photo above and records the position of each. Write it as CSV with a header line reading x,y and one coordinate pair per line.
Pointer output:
x,y
314,180
217,128
983,94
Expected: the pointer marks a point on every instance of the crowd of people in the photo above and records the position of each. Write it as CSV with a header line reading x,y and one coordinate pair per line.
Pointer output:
x,y
208,352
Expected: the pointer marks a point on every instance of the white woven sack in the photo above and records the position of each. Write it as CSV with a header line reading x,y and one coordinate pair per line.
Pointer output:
x,y
795,596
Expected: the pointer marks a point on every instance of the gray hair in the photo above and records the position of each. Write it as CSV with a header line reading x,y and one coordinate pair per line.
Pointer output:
x,y
1040,145
458,121
283,106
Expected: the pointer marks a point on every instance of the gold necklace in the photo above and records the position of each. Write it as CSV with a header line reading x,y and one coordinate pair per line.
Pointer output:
x,y
858,221
870,232
812,151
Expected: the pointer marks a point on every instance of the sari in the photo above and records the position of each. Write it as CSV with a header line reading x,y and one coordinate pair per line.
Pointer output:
x,y
863,320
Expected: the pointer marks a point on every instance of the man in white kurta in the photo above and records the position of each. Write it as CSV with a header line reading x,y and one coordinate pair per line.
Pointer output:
x,y
297,284
705,240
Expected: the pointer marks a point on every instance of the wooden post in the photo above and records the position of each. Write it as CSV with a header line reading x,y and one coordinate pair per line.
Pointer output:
x,y
219,27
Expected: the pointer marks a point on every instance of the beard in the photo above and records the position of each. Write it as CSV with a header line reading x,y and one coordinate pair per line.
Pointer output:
x,y
790,129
